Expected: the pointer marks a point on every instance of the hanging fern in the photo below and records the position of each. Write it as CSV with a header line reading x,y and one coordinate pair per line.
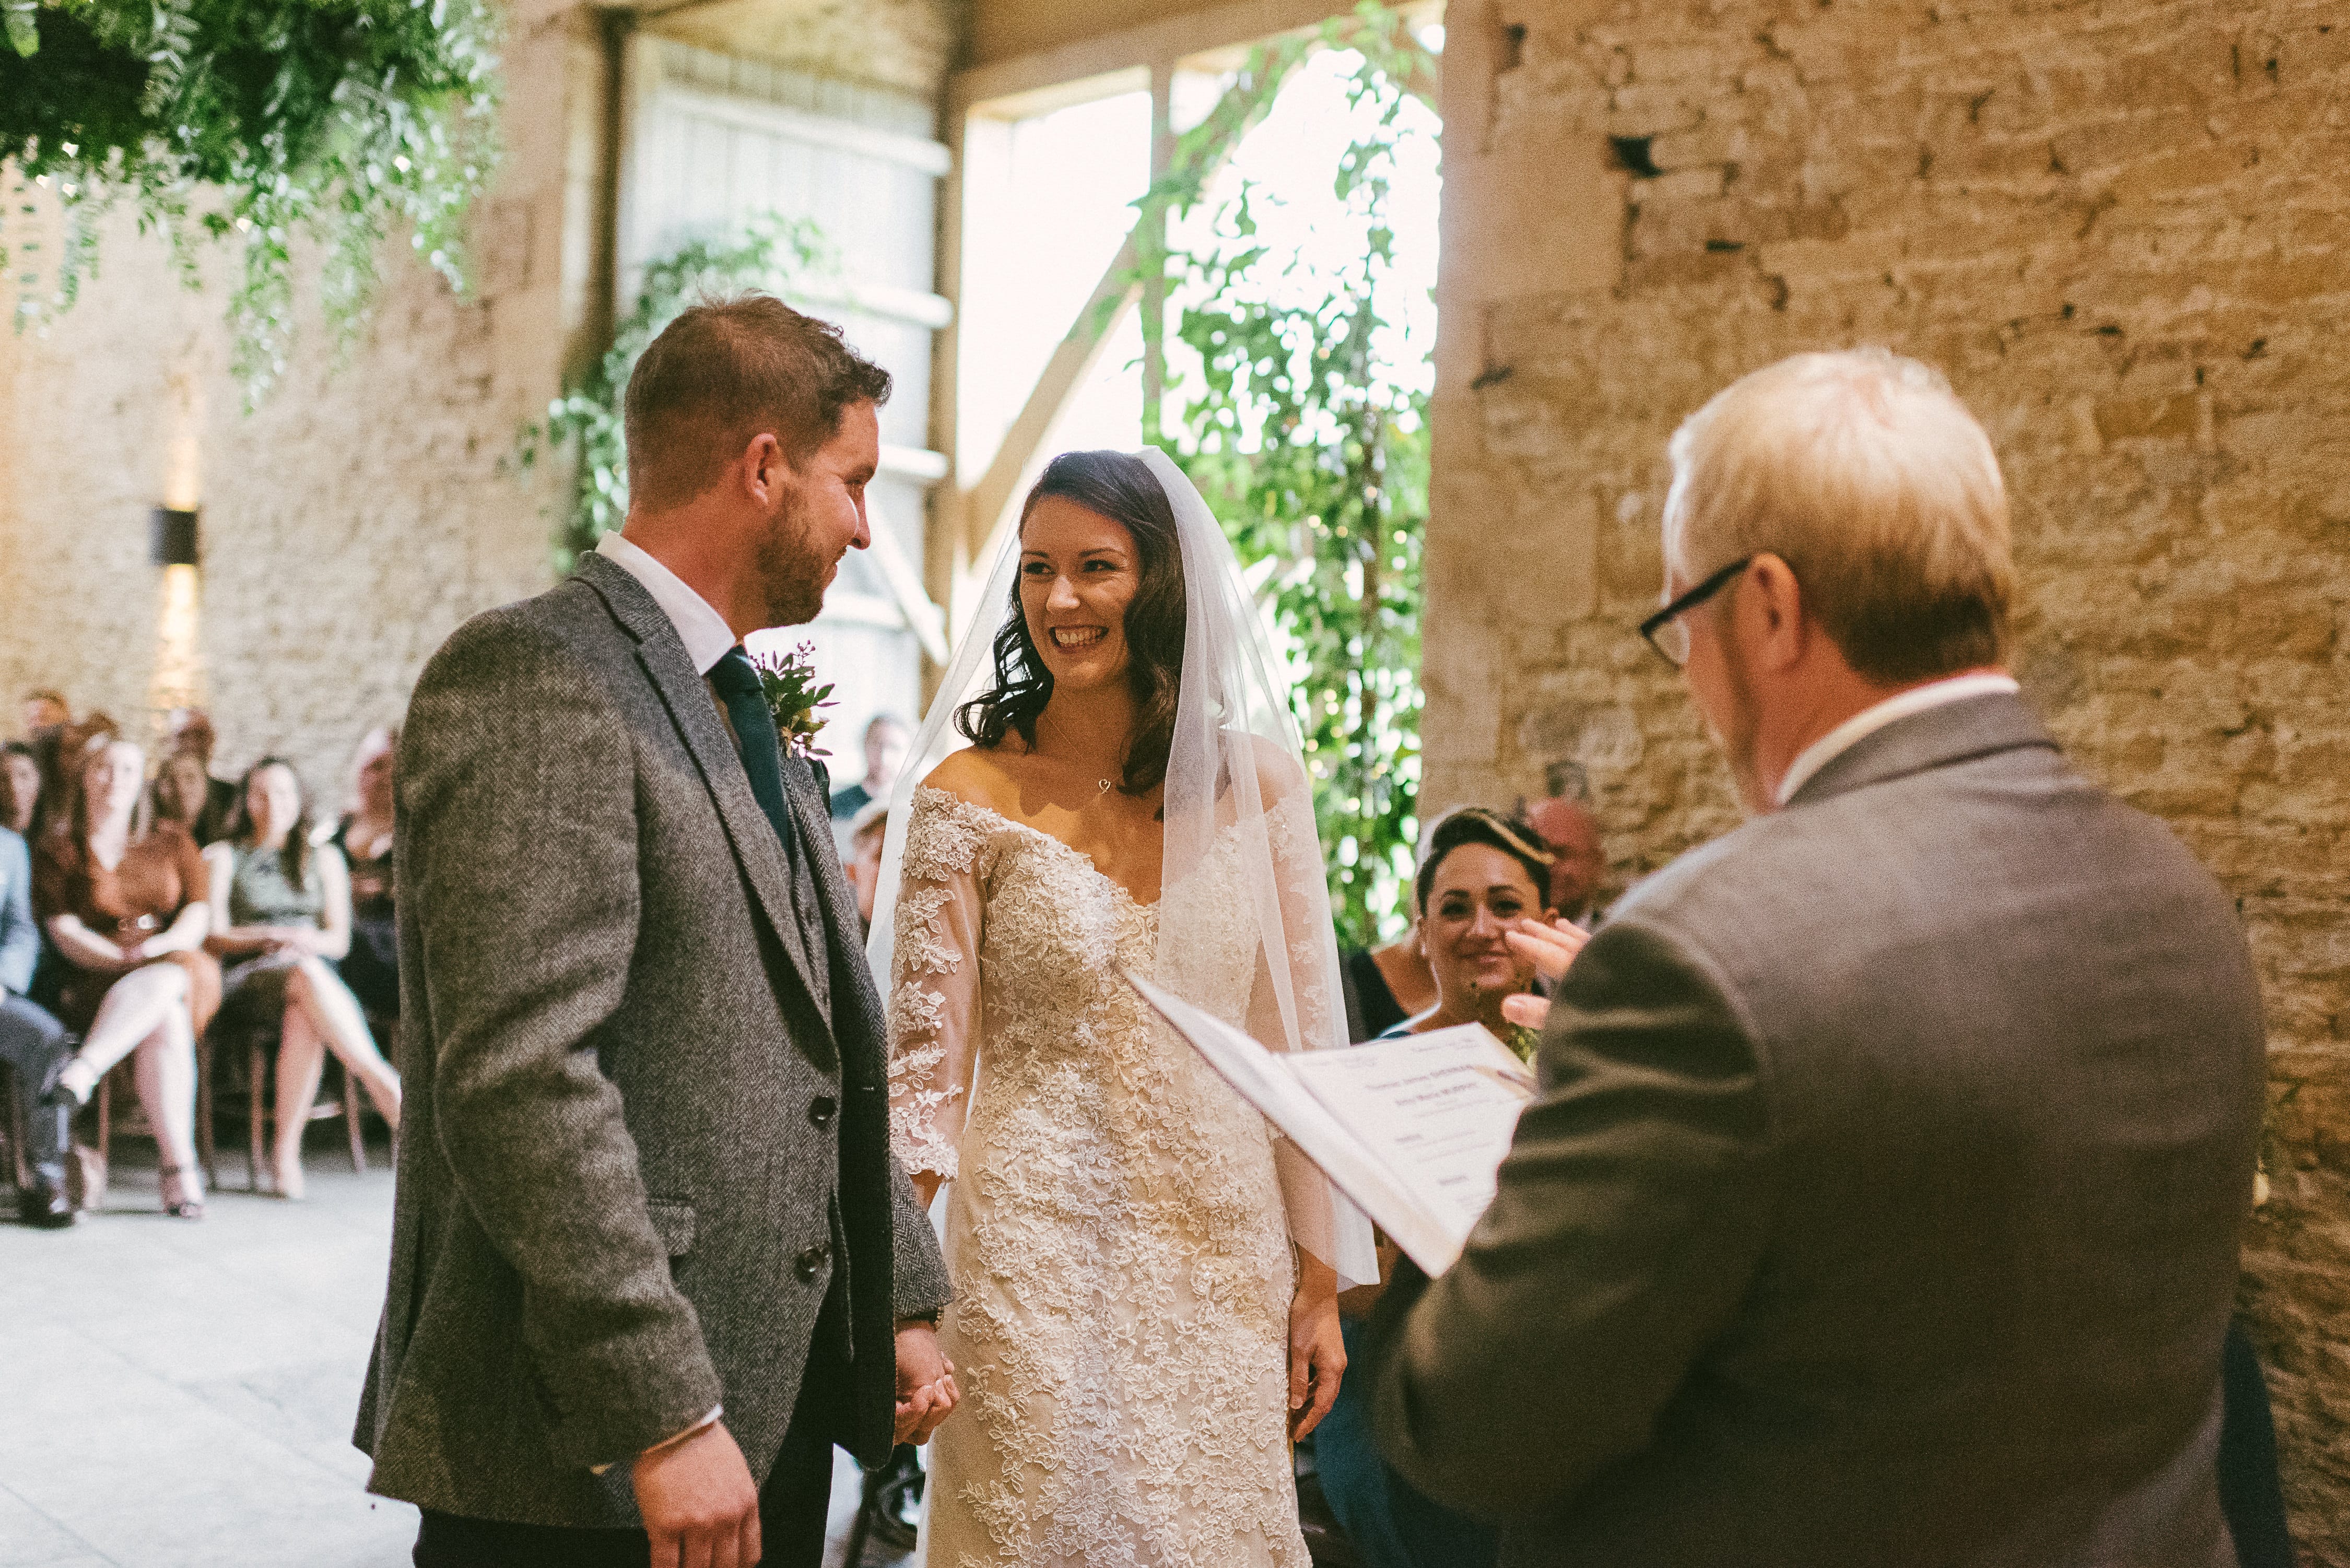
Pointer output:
x,y
251,123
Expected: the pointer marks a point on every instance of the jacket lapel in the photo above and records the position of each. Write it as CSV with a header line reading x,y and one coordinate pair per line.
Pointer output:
x,y
695,713
856,1008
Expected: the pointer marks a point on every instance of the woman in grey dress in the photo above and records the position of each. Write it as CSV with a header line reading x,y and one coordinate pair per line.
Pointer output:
x,y
285,918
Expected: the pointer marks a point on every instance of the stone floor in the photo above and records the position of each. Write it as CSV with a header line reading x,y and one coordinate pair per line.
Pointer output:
x,y
179,1396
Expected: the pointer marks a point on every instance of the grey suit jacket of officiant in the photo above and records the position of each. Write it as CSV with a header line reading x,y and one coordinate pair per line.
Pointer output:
x,y
1882,1200
639,1142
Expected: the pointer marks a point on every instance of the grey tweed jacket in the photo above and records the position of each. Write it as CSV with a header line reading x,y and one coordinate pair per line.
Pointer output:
x,y
1880,1207
644,1127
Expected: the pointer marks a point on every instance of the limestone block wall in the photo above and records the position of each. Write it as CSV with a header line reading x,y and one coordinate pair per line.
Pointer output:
x,y
2121,229
350,522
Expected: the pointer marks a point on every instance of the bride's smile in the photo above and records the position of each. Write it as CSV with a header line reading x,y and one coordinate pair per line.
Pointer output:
x,y
1079,576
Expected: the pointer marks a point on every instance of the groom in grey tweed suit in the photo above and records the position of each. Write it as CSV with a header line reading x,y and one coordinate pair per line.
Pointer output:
x,y
651,1256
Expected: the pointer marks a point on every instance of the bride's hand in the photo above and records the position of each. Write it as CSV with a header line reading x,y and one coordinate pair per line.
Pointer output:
x,y
1317,1353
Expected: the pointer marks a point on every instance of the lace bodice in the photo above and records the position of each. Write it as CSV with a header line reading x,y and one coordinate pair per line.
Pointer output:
x,y
1116,1227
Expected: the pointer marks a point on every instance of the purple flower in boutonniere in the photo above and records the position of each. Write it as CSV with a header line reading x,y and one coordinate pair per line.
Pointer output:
x,y
787,680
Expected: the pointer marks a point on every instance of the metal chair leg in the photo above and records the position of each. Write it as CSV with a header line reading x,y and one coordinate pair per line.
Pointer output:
x,y
351,1118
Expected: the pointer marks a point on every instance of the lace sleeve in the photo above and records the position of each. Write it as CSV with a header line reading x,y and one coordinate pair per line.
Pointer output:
x,y
934,986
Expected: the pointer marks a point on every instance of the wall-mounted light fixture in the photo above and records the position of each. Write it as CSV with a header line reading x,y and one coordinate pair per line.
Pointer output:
x,y
173,536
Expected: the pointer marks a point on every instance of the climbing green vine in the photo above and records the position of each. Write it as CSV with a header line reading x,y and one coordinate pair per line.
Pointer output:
x,y
250,122
1314,449
584,423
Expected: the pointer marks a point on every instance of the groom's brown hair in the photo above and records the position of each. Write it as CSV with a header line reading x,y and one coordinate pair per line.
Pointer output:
x,y
726,371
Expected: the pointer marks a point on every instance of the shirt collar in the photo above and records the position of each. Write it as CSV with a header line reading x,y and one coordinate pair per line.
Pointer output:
x,y
1868,721
701,628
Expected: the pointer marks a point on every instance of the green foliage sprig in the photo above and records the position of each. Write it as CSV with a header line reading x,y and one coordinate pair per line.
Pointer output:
x,y
787,680
586,424
1314,453
252,121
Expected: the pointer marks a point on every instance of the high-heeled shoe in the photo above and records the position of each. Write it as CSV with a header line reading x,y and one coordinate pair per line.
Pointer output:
x,y
186,1208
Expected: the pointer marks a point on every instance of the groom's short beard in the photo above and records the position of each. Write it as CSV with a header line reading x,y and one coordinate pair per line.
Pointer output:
x,y
791,577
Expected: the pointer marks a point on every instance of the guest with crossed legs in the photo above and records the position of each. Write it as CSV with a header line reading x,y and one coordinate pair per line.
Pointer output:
x,y
124,904
286,920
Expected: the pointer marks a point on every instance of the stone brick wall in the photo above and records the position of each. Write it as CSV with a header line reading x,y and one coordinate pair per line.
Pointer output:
x,y
348,523
2122,230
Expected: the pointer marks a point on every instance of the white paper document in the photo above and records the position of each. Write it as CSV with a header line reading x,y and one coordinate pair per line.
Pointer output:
x,y
1411,1129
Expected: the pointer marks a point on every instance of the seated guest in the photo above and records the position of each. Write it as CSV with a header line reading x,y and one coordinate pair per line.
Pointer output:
x,y
371,968
188,761
1480,879
46,714
1577,862
1882,1200
183,793
1384,985
32,1043
286,917
124,904
20,779
886,741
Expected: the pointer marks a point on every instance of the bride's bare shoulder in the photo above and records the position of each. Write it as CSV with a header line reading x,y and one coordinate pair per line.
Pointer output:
x,y
977,775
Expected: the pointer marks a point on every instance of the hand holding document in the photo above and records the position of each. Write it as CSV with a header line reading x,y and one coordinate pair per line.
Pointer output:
x,y
1411,1129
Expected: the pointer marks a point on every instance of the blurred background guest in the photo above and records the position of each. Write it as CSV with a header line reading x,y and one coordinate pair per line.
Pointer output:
x,y
46,717
183,793
20,786
124,904
1385,985
1566,828
863,861
283,909
32,1042
371,968
191,738
885,739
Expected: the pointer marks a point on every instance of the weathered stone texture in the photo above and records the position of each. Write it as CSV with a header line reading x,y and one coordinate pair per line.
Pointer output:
x,y
349,523
2122,230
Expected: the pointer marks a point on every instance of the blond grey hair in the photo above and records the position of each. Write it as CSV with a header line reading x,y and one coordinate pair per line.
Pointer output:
x,y
1866,474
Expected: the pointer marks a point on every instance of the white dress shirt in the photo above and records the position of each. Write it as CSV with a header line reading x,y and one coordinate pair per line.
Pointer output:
x,y
1868,721
701,628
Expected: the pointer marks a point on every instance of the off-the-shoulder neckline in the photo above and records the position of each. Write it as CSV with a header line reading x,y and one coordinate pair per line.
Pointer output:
x,y
1079,855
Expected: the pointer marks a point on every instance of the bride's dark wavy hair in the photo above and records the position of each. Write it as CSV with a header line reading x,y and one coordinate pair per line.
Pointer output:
x,y
1120,487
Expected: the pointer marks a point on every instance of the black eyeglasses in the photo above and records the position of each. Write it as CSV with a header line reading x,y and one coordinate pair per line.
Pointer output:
x,y
1669,635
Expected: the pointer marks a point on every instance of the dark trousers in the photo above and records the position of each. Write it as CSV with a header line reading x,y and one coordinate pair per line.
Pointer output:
x,y
792,1504
31,1041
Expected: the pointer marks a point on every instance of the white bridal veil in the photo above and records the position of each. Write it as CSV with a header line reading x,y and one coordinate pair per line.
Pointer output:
x,y
1235,769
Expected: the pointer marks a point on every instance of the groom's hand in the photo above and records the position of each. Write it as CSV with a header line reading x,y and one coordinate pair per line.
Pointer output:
x,y
926,1386
699,1503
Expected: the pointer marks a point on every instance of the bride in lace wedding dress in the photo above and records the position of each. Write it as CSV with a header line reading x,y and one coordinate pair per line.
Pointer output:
x,y
1144,1272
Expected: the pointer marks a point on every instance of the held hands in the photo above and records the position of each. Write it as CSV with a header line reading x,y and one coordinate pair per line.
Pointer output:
x,y
1550,947
1317,1353
700,1505
926,1386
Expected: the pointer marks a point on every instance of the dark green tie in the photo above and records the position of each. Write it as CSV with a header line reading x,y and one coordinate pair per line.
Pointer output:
x,y
737,684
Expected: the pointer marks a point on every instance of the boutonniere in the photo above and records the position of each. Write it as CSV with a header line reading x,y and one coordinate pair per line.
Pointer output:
x,y
787,680
1522,1041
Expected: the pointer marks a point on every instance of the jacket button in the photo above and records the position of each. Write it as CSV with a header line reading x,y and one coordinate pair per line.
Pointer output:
x,y
823,1110
806,1265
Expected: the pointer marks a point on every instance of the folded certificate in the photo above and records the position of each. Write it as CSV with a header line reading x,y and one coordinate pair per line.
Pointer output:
x,y
1411,1129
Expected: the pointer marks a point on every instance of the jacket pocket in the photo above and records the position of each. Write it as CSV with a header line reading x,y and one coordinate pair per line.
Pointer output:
x,y
673,1218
